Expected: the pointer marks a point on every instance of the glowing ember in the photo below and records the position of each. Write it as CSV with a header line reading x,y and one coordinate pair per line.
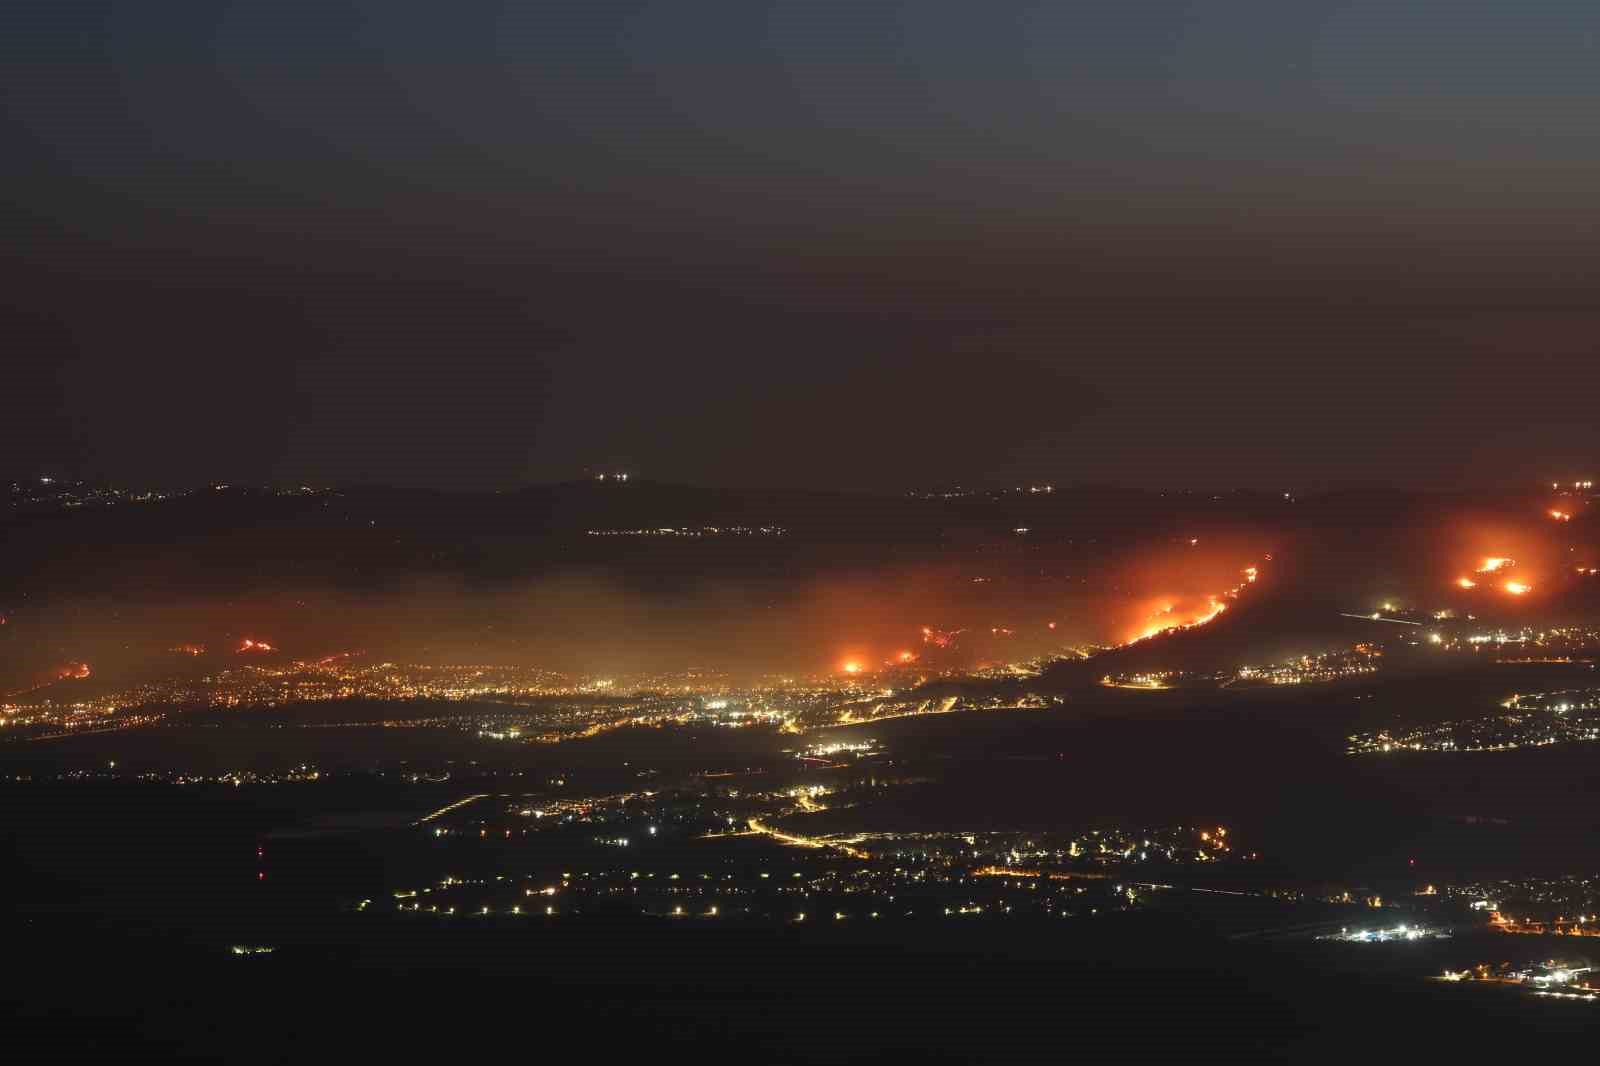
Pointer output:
x,y
248,645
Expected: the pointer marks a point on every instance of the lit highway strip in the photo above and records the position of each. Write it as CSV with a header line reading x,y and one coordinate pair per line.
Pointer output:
x,y
1378,618
794,839
453,806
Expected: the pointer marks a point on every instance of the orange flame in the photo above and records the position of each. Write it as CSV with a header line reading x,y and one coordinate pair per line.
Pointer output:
x,y
1166,618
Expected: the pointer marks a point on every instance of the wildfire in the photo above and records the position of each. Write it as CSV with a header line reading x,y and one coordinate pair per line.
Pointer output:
x,y
1561,516
940,638
1501,565
1165,620
248,645
73,670
851,667
906,657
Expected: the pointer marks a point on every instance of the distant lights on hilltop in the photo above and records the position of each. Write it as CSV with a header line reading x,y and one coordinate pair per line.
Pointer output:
x,y
961,492
612,475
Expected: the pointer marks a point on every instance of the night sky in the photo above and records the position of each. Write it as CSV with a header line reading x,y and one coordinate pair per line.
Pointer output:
x,y
813,243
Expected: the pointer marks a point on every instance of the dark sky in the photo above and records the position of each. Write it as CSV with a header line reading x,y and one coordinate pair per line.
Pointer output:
x,y
808,242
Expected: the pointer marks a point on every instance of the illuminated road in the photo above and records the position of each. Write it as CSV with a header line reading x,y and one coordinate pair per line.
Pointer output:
x,y
808,803
796,840
451,807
